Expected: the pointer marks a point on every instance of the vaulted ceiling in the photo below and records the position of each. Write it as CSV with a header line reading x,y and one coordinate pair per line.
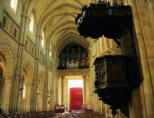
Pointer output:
x,y
57,19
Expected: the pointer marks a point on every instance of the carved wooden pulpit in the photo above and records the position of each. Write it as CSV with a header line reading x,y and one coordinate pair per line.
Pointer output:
x,y
102,19
116,75
115,80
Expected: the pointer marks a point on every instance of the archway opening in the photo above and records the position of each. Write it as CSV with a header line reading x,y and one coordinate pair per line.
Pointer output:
x,y
2,74
76,94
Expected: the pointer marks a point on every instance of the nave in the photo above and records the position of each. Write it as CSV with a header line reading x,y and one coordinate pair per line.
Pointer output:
x,y
41,50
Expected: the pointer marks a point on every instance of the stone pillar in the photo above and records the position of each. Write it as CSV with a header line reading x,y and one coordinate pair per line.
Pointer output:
x,y
6,93
87,89
35,76
46,81
55,89
88,94
52,94
28,97
20,100
142,105
40,101
92,75
90,86
14,95
45,96
62,90
84,88
66,94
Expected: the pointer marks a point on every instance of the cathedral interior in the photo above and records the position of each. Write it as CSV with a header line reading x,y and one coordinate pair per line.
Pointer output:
x,y
52,63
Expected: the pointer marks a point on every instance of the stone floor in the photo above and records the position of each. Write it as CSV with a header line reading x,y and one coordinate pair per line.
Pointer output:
x,y
88,114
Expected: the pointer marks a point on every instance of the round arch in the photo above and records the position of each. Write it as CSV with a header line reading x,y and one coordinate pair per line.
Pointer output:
x,y
8,59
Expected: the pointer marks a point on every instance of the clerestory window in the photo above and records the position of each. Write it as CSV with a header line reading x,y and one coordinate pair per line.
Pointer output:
x,y
13,4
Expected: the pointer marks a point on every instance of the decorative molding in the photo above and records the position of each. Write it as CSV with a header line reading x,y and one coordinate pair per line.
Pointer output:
x,y
73,72
30,46
5,12
8,52
9,26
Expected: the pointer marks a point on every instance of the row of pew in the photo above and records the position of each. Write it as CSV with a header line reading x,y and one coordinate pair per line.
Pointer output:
x,y
41,114
85,114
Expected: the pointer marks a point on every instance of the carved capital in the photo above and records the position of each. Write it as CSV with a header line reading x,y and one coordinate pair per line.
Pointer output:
x,y
62,77
72,72
8,78
84,77
24,15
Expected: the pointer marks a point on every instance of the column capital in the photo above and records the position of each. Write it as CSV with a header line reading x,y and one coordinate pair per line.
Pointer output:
x,y
62,77
8,78
84,76
39,36
25,16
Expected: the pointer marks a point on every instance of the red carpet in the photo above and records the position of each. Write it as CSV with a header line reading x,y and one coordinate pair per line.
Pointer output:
x,y
76,98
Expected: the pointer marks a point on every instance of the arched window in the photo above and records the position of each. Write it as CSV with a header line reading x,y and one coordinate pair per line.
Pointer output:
x,y
24,91
42,41
31,24
13,4
50,54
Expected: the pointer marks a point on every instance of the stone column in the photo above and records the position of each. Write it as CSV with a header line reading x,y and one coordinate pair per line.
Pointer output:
x,y
20,100
35,76
28,96
62,90
46,78
88,93
14,95
90,86
6,93
142,103
52,94
66,94
54,88
40,101
84,88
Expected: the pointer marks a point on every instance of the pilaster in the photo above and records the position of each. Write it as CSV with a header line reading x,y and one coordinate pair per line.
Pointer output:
x,y
35,76
145,94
